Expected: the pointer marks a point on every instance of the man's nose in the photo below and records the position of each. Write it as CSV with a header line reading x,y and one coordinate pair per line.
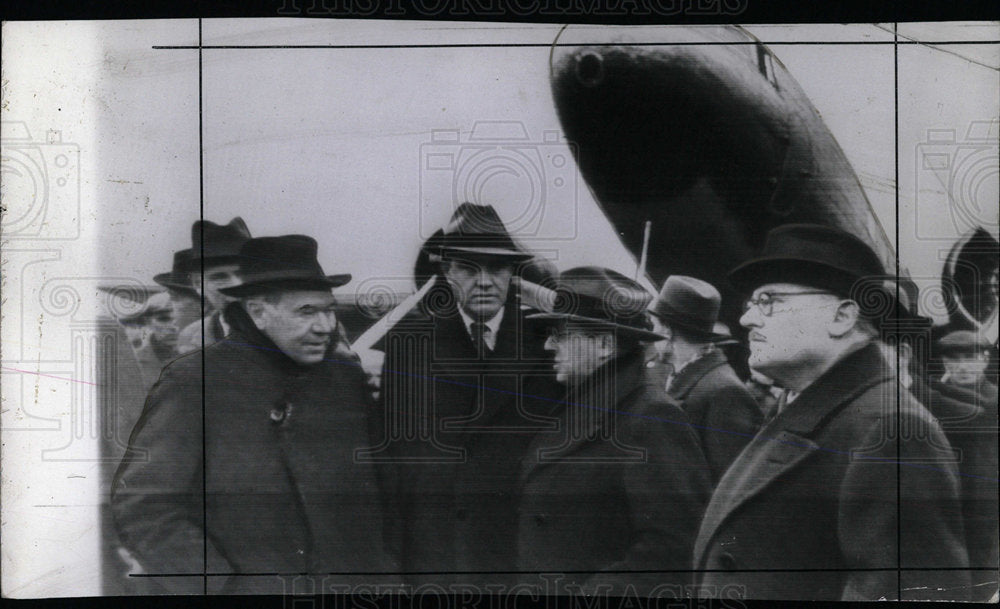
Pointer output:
x,y
550,343
750,317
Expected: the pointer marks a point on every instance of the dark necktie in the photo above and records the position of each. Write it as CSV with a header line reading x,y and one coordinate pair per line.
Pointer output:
x,y
479,331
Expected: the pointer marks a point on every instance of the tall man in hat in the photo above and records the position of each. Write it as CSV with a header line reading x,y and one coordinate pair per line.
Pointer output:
x,y
211,266
830,501
699,376
613,499
246,471
463,376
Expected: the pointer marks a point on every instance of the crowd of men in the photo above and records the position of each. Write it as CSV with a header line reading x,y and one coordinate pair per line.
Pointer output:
x,y
601,443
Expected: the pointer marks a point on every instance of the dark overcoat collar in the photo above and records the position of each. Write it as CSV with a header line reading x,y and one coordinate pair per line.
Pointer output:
x,y
252,344
589,410
788,439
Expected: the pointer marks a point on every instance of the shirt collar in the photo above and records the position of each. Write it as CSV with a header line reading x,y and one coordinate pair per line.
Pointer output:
x,y
493,324
681,365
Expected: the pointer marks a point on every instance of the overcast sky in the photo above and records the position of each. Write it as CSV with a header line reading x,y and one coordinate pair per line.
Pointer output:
x,y
333,142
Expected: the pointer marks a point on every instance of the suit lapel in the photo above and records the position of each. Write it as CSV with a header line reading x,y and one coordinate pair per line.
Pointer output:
x,y
767,457
786,440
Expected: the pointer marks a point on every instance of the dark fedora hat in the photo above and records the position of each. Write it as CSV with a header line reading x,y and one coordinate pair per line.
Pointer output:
x,y
690,303
477,230
213,243
281,263
813,255
178,279
604,299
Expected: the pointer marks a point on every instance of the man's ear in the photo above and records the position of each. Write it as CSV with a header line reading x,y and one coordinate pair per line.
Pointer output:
x,y
845,318
256,310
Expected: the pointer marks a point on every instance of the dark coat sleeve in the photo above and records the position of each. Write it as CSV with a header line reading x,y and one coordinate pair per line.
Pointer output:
x,y
156,496
732,418
666,496
924,529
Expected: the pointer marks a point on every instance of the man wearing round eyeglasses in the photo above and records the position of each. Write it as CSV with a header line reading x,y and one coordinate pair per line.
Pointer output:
x,y
829,501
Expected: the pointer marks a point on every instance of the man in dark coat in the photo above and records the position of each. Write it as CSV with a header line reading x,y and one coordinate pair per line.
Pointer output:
x,y
829,501
610,502
240,478
463,376
211,267
726,416
969,420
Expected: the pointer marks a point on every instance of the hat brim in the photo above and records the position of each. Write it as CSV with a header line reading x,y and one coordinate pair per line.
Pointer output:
x,y
173,281
695,331
639,333
452,251
276,285
761,271
725,341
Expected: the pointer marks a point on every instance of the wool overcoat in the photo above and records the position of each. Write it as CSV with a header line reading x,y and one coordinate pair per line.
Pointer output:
x,y
612,501
831,502
454,424
252,472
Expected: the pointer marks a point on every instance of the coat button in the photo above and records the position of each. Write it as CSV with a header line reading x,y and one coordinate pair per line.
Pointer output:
x,y
461,513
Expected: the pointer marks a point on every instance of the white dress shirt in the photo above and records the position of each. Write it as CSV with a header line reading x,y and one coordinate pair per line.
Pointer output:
x,y
490,332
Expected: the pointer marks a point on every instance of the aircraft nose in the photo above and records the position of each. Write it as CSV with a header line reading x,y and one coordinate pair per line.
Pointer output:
x,y
590,69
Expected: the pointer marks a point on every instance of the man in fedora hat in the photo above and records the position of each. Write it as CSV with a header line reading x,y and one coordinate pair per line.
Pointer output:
x,y
613,498
211,266
463,374
969,420
829,501
186,301
698,374
250,464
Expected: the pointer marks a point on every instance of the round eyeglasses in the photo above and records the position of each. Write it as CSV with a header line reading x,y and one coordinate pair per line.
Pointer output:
x,y
765,300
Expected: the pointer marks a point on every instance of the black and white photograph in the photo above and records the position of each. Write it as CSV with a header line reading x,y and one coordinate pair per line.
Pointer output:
x,y
397,308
